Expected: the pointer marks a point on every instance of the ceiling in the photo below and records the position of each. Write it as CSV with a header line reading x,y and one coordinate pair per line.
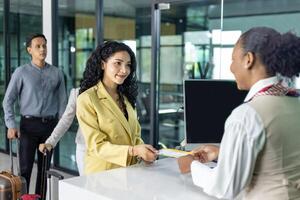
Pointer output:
x,y
127,8
69,7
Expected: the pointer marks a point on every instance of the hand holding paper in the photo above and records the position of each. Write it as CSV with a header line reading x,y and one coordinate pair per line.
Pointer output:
x,y
144,151
206,153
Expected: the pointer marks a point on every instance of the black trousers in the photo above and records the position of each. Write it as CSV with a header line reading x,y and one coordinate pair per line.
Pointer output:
x,y
33,132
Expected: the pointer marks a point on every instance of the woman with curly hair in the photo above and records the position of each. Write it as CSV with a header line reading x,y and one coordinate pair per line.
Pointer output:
x,y
106,110
259,152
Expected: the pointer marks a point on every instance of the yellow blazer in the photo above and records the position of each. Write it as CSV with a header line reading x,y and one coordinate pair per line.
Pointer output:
x,y
106,131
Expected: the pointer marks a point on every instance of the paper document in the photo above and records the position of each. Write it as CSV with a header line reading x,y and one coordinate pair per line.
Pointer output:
x,y
175,153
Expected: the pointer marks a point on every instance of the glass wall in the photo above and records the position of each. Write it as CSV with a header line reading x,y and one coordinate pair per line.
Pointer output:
x,y
239,16
129,21
24,18
76,37
76,40
186,52
193,46
2,84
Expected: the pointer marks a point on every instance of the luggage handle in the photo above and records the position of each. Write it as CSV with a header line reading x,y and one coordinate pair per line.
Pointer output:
x,y
49,174
46,156
11,157
55,174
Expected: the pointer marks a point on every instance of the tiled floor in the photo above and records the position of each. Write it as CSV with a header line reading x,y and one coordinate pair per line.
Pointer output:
x,y
5,165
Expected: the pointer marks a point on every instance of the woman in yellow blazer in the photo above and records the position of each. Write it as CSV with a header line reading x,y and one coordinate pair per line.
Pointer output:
x,y
106,110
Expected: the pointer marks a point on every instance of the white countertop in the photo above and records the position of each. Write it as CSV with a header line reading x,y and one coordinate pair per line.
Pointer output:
x,y
159,181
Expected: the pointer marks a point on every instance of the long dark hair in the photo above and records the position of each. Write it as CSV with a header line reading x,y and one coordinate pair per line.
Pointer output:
x,y
280,53
93,72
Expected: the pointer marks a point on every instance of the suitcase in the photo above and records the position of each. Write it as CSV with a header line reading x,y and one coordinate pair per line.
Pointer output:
x,y
49,190
31,197
52,192
49,187
12,187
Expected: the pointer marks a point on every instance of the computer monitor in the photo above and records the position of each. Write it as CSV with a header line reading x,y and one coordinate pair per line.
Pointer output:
x,y
207,104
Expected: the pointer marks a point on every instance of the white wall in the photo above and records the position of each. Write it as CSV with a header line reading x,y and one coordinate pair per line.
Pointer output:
x,y
47,29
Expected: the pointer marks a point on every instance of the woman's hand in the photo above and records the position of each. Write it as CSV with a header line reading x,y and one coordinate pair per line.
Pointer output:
x,y
145,151
45,146
206,153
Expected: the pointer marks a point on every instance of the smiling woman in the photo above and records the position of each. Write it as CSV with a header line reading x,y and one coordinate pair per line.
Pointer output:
x,y
116,68
258,154
106,110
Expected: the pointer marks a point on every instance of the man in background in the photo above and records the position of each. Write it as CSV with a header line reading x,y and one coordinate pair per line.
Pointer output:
x,y
40,90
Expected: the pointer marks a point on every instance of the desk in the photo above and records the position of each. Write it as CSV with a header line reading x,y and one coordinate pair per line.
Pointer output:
x,y
160,181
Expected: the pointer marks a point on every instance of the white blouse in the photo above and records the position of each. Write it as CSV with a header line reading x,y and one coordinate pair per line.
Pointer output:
x,y
66,121
243,139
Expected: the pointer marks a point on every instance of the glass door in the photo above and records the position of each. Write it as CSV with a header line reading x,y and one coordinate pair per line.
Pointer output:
x,y
186,51
2,83
76,41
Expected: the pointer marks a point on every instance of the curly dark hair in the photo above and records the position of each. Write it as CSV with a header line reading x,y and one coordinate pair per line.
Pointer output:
x,y
280,53
93,72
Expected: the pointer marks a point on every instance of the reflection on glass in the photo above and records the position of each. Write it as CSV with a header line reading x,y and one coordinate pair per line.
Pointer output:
x,y
186,52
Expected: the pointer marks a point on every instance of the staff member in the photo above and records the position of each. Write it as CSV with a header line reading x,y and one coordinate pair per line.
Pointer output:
x,y
40,89
259,152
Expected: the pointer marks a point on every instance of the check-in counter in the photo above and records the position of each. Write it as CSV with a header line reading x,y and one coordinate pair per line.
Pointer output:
x,y
159,181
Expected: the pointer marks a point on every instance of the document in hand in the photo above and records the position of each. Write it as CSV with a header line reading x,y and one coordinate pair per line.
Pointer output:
x,y
175,153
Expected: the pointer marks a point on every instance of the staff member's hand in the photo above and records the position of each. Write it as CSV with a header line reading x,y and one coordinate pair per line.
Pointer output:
x,y
184,163
45,146
206,153
145,151
12,133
